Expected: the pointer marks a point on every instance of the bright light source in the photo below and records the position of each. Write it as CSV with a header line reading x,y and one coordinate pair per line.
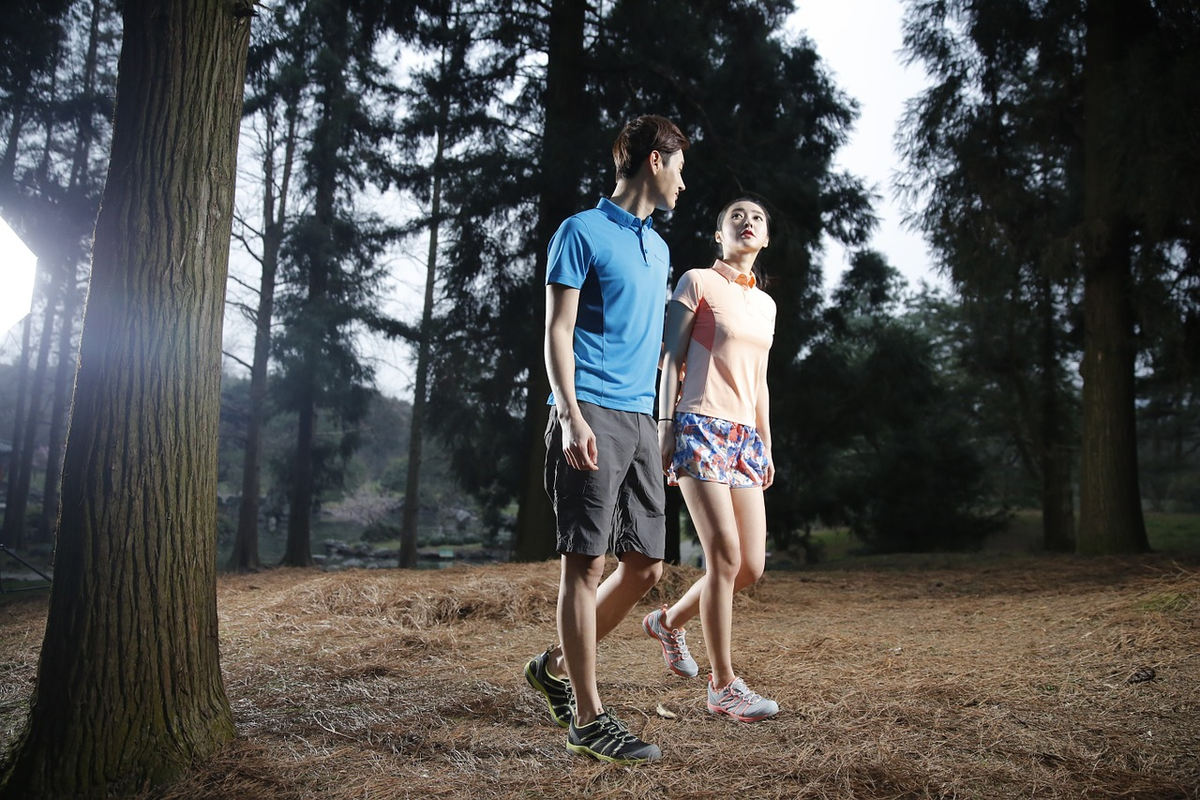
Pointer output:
x,y
17,266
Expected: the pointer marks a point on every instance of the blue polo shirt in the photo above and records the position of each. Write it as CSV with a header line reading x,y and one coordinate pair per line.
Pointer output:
x,y
620,265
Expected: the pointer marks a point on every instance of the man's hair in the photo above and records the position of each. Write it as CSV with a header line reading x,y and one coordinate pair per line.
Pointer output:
x,y
638,139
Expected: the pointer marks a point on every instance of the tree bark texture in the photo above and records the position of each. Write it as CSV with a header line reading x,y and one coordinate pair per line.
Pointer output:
x,y
129,691
1110,511
567,116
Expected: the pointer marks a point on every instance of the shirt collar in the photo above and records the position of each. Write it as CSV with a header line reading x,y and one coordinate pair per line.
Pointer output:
x,y
733,275
623,217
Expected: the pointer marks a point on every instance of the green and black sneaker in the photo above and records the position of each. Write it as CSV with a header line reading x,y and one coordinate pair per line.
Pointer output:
x,y
607,739
557,691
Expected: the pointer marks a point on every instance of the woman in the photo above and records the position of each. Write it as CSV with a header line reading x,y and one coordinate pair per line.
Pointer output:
x,y
715,437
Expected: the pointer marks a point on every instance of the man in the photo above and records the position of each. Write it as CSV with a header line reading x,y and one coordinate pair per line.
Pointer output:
x,y
605,286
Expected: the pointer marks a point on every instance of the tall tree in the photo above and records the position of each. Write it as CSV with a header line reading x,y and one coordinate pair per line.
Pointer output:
x,y
53,173
115,711
446,113
13,530
1110,495
566,121
332,254
274,83
993,153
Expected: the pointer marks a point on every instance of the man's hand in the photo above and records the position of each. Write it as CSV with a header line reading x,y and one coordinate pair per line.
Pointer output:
x,y
579,443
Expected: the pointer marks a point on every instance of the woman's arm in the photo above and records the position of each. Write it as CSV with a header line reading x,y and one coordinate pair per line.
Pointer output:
x,y
677,332
762,423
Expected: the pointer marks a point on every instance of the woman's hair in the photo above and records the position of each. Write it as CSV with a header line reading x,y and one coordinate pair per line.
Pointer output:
x,y
759,277
638,139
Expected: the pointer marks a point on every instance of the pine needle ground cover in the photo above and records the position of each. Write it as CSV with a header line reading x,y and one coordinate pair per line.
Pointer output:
x,y
1026,677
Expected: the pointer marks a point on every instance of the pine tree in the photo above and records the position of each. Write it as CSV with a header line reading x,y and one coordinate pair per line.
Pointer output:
x,y
993,154
135,552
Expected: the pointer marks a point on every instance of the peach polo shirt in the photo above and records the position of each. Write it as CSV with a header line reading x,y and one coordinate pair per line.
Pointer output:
x,y
732,333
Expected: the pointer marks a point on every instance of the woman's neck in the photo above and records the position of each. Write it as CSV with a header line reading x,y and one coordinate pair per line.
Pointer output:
x,y
742,262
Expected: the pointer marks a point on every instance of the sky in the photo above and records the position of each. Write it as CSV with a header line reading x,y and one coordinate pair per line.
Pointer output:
x,y
860,42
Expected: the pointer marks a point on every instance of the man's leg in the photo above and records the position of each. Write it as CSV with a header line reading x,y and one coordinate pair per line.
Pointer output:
x,y
635,575
577,607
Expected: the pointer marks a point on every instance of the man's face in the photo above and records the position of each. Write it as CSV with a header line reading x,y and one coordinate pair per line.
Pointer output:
x,y
668,179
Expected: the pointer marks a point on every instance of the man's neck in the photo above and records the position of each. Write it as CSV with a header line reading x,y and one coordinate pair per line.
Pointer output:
x,y
635,197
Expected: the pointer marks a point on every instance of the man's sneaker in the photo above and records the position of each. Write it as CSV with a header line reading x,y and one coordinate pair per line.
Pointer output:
x,y
557,691
607,739
674,647
737,701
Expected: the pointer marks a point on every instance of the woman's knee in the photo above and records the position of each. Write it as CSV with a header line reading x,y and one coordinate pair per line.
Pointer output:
x,y
725,563
749,574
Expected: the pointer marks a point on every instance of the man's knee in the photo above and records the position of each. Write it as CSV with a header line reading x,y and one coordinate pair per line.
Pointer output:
x,y
583,570
641,572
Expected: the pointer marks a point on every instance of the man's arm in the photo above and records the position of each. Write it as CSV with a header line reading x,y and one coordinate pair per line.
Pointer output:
x,y
578,441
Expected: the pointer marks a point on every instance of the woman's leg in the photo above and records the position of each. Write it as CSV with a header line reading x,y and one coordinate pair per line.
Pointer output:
x,y
751,514
712,510
751,519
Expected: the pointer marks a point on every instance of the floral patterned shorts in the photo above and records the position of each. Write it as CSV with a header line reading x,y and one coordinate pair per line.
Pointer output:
x,y
711,449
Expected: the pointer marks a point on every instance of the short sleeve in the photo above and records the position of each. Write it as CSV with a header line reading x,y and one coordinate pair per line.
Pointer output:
x,y
570,254
690,290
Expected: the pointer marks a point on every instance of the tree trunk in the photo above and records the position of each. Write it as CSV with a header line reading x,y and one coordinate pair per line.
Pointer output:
x,y
128,692
674,506
244,557
1058,502
298,551
23,466
64,384
14,510
412,482
1110,511
64,377
567,115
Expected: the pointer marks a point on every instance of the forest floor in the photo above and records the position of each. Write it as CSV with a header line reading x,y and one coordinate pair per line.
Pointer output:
x,y
1021,676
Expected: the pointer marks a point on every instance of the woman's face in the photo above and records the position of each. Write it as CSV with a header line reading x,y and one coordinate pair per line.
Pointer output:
x,y
743,228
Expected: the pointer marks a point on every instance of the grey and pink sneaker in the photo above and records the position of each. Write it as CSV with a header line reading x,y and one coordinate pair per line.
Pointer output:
x,y
674,646
737,701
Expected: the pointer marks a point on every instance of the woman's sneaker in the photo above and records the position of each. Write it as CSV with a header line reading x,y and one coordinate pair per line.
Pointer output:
x,y
607,739
674,646
737,701
557,691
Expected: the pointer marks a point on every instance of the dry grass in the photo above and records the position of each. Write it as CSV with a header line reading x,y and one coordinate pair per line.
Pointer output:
x,y
996,681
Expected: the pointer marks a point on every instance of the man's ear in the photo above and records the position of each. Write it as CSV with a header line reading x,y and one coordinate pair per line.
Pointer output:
x,y
656,161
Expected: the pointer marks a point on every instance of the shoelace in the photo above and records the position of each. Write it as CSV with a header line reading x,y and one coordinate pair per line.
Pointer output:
x,y
739,695
678,645
615,728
